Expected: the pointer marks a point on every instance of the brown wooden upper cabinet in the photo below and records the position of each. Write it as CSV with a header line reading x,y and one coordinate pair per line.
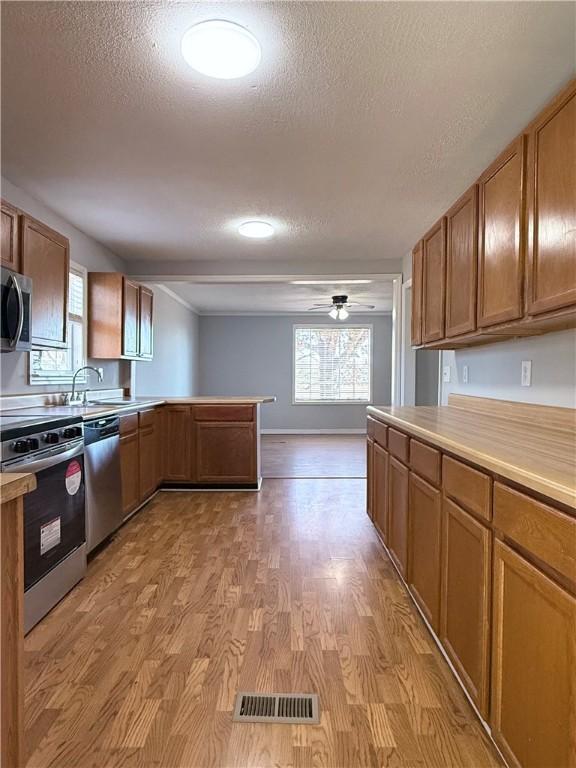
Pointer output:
x,y
45,257
9,233
433,282
461,264
502,262
120,317
417,295
501,244
551,274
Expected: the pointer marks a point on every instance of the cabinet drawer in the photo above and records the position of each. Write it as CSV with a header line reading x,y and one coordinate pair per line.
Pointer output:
x,y
147,418
128,424
223,412
398,445
542,530
425,461
379,433
473,489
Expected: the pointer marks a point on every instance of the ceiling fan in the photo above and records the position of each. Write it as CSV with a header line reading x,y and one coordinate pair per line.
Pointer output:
x,y
339,307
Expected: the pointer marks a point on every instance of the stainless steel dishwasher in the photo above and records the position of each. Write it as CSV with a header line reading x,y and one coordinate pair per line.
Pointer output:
x,y
103,479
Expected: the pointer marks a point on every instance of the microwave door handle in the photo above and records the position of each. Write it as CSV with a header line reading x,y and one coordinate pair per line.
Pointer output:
x,y
16,338
37,465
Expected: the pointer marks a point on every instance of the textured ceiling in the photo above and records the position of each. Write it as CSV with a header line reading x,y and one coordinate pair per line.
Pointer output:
x,y
362,124
248,297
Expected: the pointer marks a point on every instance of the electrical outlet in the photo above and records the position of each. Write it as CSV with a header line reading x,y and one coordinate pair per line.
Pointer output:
x,y
526,377
446,374
465,374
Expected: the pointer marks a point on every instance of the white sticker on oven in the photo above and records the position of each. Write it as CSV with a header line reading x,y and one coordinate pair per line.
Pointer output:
x,y
49,535
73,477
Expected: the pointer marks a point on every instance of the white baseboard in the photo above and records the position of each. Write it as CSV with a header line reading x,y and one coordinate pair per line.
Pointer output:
x,y
313,431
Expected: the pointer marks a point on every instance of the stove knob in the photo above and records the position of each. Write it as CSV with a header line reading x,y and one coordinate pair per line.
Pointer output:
x,y
70,432
20,446
33,444
50,437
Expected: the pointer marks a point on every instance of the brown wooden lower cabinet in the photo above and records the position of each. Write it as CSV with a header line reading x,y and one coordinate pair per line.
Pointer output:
x,y
225,452
533,712
465,613
397,540
424,543
177,439
380,490
147,449
370,477
130,470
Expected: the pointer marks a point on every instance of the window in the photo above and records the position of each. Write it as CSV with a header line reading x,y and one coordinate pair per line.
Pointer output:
x,y
332,365
58,365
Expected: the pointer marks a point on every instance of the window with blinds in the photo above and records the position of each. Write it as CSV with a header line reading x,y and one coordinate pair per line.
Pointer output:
x,y
49,365
332,364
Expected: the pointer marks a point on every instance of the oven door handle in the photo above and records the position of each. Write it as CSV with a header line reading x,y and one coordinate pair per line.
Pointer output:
x,y
49,461
16,338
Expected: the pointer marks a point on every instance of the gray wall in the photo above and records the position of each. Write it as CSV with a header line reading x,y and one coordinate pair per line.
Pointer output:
x,y
494,370
252,355
83,250
174,370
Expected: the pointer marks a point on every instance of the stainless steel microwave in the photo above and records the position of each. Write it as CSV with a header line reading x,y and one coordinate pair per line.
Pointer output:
x,y
15,311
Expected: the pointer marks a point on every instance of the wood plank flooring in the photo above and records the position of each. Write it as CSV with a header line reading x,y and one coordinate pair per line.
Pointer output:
x,y
201,595
313,456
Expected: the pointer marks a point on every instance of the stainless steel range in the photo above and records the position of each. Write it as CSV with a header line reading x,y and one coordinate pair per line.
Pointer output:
x,y
54,514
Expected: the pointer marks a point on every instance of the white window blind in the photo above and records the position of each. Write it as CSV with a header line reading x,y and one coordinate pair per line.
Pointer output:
x,y
51,365
332,365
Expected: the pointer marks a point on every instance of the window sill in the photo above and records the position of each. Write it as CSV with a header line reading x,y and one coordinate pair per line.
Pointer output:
x,y
332,402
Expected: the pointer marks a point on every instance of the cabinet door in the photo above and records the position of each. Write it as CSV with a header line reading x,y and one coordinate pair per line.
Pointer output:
x,y
46,259
177,461
465,603
369,476
433,282
146,302
9,233
533,716
225,452
380,503
416,320
397,541
129,461
552,206
148,456
502,237
424,542
131,319
461,264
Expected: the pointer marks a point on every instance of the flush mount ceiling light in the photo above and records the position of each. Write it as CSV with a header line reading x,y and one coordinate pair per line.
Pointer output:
x,y
221,49
256,229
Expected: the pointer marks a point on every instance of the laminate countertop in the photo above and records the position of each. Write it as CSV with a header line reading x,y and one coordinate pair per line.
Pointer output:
x,y
533,454
15,484
127,405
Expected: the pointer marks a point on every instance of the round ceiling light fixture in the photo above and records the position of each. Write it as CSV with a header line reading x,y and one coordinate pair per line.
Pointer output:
x,y
221,49
256,229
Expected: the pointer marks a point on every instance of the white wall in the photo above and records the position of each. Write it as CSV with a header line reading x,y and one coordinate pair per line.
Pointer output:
x,y
174,370
253,355
494,370
83,250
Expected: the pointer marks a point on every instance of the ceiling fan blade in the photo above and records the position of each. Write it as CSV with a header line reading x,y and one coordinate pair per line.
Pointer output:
x,y
361,306
320,308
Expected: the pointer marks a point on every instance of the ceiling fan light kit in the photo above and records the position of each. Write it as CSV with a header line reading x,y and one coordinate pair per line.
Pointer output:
x,y
338,310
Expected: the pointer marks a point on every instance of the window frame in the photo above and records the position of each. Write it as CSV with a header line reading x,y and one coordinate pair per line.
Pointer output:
x,y
324,326
55,377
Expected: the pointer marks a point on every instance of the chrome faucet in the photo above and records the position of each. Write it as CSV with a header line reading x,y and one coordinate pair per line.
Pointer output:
x,y
84,368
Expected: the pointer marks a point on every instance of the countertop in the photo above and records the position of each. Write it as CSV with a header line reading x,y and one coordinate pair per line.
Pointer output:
x,y
531,453
15,484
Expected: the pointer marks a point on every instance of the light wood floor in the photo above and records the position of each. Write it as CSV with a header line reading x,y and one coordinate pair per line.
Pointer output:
x,y
204,594
314,456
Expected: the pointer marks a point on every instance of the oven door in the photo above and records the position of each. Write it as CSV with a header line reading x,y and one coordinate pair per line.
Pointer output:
x,y
54,517
15,311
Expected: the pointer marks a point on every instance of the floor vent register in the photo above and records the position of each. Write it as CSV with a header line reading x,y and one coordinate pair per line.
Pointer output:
x,y
277,708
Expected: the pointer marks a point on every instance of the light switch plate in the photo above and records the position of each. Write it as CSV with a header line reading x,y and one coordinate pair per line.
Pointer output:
x,y
526,377
465,374
446,374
